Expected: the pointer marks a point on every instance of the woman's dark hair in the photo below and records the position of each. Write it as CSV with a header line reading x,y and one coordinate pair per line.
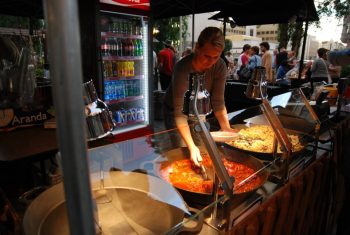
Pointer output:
x,y
256,50
246,47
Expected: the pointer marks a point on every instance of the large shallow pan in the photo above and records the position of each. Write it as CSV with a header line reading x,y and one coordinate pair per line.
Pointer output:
x,y
304,139
201,198
141,204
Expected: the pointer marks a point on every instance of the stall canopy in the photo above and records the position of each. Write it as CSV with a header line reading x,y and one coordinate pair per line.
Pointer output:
x,y
265,13
27,8
244,12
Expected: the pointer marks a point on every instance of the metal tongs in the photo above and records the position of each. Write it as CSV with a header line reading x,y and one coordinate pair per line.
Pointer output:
x,y
203,172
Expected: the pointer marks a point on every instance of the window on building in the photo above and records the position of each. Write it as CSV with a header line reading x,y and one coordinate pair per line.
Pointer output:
x,y
251,33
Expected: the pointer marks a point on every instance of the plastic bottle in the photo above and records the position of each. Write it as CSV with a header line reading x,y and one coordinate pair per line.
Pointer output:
x,y
104,47
131,48
132,68
140,45
115,68
104,67
119,47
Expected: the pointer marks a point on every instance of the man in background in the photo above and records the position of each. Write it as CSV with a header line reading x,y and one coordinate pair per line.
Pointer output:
x,y
281,57
166,59
266,60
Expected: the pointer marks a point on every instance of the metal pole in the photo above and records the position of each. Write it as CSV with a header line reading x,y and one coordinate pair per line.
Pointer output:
x,y
192,31
224,28
301,63
181,47
65,57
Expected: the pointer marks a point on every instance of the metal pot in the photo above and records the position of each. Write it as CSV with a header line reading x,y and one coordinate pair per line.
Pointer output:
x,y
89,92
207,198
141,204
99,124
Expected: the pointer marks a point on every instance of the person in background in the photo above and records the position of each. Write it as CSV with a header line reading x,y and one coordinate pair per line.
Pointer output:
x,y
229,57
166,60
281,71
319,68
307,71
186,52
205,59
266,60
339,57
230,66
334,72
281,57
243,58
292,60
274,59
254,59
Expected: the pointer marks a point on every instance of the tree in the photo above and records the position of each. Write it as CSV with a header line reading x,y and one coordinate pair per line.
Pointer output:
x,y
294,31
283,35
338,8
170,29
228,45
296,36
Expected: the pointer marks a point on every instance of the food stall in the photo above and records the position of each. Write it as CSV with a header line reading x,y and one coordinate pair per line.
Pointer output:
x,y
145,189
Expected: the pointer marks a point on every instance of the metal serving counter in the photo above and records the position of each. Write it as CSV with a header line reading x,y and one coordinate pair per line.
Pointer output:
x,y
150,156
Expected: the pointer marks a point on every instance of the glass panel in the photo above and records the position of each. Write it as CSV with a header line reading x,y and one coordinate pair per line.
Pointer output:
x,y
294,113
153,177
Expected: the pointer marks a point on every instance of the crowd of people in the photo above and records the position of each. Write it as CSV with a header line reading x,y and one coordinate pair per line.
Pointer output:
x,y
282,65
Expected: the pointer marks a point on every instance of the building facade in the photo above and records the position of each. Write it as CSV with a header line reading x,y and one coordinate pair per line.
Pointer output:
x,y
267,32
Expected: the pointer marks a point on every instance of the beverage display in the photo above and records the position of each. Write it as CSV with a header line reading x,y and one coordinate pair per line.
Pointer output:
x,y
123,66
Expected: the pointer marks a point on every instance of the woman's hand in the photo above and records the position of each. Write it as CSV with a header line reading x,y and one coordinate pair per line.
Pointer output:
x,y
195,155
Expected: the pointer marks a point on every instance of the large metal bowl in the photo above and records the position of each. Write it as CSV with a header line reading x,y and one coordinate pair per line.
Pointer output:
x,y
140,204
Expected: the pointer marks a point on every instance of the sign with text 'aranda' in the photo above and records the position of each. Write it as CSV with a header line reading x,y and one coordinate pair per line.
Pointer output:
x,y
138,4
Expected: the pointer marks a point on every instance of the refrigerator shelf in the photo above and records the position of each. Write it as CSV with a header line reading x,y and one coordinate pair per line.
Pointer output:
x,y
138,77
127,99
113,58
119,35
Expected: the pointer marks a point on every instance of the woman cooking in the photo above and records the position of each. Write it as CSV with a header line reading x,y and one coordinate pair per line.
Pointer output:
x,y
205,59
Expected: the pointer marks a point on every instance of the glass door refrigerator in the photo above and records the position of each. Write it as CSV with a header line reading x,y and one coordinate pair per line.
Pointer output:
x,y
125,79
